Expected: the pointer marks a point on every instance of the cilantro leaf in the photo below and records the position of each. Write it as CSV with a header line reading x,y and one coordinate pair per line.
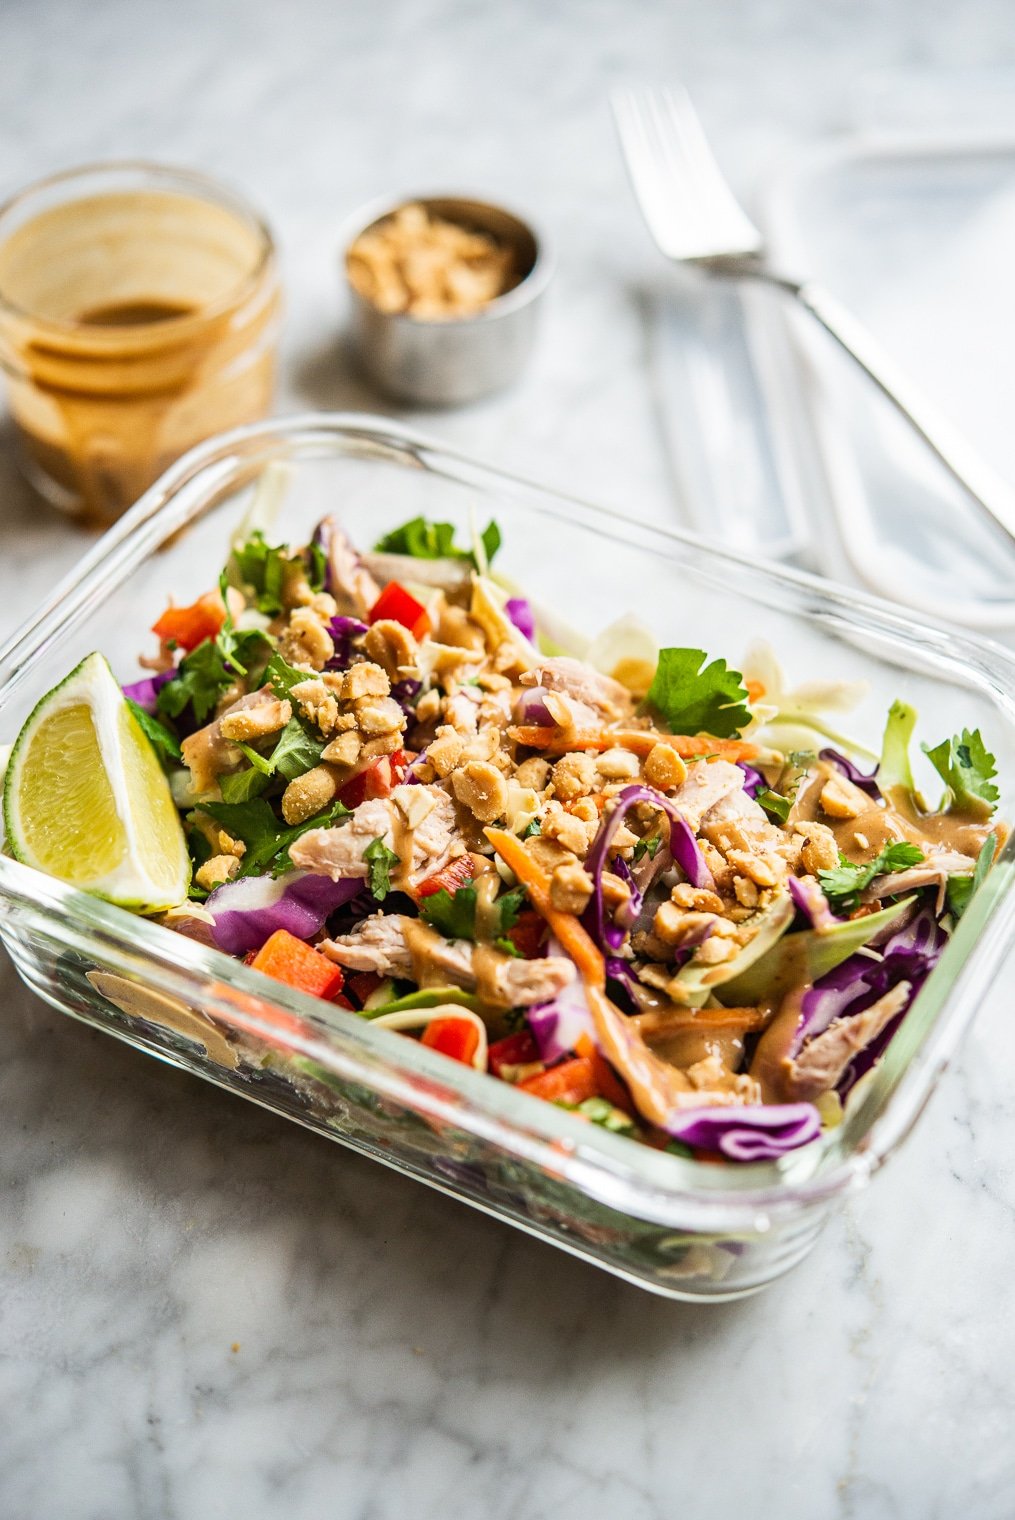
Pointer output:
x,y
509,905
282,677
695,698
533,827
452,914
507,947
843,884
966,766
242,786
297,751
162,741
775,806
317,567
491,540
267,839
201,678
257,760
961,889
648,847
260,568
380,861
238,647
422,539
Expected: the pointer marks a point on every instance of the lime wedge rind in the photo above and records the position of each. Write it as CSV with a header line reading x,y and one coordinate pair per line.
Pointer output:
x,y
87,826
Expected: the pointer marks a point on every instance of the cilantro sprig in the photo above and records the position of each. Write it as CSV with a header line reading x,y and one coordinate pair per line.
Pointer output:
x,y
966,767
422,539
844,883
774,804
163,741
261,568
695,698
454,914
962,889
380,863
211,669
267,839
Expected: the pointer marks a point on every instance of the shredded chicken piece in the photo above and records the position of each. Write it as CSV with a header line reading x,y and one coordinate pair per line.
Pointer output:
x,y
934,871
208,754
576,679
338,852
708,783
352,585
823,1060
378,944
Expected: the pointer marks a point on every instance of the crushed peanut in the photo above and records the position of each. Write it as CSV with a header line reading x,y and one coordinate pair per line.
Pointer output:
x,y
570,887
305,640
481,788
214,872
308,794
574,776
664,768
256,722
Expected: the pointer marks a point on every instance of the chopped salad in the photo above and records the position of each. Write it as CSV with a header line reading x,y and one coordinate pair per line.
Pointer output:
x,y
660,892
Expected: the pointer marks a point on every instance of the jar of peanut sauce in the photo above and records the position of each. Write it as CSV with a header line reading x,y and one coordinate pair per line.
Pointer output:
x,y
139,314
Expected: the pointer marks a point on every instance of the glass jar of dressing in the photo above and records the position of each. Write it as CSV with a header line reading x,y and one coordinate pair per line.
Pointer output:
x,y
139,312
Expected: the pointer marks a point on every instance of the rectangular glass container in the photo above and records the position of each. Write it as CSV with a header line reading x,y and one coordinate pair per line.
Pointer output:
x,y
678,1227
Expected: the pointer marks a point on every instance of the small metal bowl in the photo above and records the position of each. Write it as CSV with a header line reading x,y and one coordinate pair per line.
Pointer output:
x,y
448,361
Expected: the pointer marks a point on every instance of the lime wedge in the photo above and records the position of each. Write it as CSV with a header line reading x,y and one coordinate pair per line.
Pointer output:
x,y
86,800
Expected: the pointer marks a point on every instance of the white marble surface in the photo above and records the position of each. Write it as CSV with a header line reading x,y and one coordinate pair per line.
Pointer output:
x,y
205,1312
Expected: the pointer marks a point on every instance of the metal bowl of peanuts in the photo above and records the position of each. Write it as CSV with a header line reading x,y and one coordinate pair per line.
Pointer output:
x,y
445,294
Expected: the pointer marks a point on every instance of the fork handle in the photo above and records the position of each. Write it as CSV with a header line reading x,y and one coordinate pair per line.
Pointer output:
x,y
986,487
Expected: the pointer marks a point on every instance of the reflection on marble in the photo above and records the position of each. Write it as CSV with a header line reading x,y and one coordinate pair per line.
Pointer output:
x,y
205,1312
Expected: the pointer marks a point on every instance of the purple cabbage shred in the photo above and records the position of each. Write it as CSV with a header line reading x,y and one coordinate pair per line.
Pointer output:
x,y
521,614
145,693
762,1133
846,768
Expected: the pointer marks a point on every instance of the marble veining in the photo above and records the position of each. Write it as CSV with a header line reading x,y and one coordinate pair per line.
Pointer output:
x,y
206,1312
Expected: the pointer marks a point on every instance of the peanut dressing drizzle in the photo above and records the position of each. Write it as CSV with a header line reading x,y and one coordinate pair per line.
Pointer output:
x,y
880,826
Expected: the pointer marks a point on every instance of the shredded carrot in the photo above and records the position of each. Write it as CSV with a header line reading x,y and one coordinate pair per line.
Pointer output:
x,y
579,945
641,741
755,690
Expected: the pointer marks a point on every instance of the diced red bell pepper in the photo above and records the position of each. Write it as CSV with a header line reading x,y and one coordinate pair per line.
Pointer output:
x,y
457,1038
298,965
610,1087
189,626
569,1082
379,779
528,933
515,1050
449,878
396,603
363,985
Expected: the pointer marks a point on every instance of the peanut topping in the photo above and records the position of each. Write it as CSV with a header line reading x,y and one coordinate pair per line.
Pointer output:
x,y
256,722
481,788
570,887
215,871
664,768
305,640
308,794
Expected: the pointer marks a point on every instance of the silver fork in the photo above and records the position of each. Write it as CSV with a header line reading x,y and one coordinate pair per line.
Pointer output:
x,y
695,219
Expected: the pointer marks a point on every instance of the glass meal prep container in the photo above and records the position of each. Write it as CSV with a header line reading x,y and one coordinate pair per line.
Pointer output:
x,y
681,1228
